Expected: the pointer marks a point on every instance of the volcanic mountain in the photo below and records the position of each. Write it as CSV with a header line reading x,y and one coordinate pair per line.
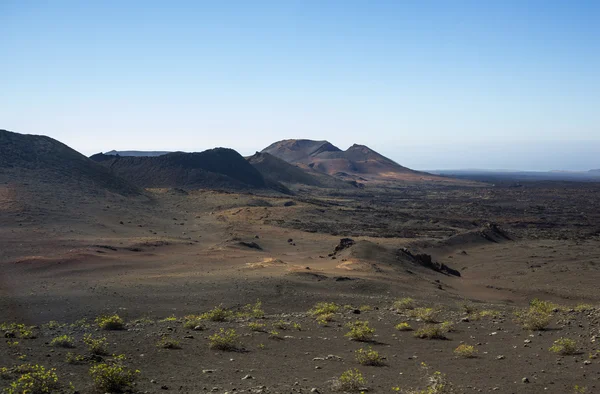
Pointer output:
x,y
135,153
278,170
37,160
218,168
359,162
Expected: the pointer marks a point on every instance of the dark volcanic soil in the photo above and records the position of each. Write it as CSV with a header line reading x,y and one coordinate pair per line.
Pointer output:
x,y
68,255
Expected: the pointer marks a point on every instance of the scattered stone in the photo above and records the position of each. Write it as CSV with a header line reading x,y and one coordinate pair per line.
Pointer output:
x,y
248,377
525,380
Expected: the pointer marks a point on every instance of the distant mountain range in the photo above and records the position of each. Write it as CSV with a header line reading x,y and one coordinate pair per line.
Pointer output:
x,y
513,175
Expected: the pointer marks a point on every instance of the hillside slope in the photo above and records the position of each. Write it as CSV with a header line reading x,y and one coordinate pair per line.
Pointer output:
x,y
218,168
36,158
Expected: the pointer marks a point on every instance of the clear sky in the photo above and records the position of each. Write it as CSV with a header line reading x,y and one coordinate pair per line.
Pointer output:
x,y
431,84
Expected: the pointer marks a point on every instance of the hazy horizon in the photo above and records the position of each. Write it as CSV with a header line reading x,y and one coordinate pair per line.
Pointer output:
x,y
432,85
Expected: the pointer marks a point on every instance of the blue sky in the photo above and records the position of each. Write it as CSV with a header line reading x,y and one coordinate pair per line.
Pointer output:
x,y
431,84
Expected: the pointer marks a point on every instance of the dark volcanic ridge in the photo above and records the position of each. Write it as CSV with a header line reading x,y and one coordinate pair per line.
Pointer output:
x,y
37,159
218,168
367,251
136,153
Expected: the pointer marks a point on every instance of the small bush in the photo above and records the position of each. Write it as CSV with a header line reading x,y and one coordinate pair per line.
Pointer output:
x,y
168,343
534,319
73,358
368,357
365,308
468,307
95,346
404,304
217,314
63,341
425,314
224,340
544,306
325,318
274,335
324,308
253,310
350,381
297,326
193,322
171,318
404,326
110,322
431,331
489,313
360,331
112,377
257,326
564,346
436,383
447,326
466,351
37,380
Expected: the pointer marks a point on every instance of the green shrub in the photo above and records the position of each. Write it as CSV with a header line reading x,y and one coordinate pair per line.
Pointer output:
x,y
112,377
323,308
297,326
368,357
360,331
171,318
404,326
350,381
95,346
37,380
63,341
168,343
257,326
431,331
253,310
534,318
325,318
564,346
466,351
193,322
404,304
110,322
224,340
274,335
218,314
427,315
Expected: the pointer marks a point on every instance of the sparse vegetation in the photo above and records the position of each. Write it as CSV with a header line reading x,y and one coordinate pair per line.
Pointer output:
x,y
112,376
35,380
404,304
427,315
584,307
227,340
193,322
256,326
368,357
95,345
169,319
168,343
253,310
350,381
63,341
431,331
273,334
466,351
325,318
360,331
533,318
217,314
564,346
324,310
110,322
404,326
74,358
